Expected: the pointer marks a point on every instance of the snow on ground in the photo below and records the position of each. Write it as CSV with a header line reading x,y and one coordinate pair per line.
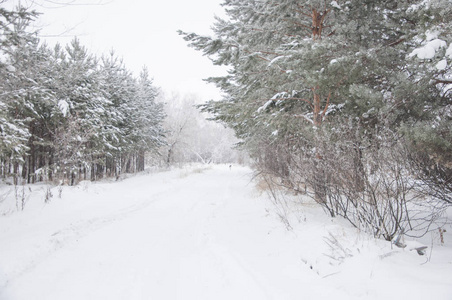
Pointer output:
x,y
200,233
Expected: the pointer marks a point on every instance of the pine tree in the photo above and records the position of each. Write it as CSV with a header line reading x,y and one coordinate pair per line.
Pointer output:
x,y
119,88
21,90
312,83
79,100
148,119
428,127
292,63
65,115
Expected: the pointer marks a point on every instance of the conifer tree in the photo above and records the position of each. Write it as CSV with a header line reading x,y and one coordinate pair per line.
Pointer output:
x,y
66,116
148,119
21,91
311,83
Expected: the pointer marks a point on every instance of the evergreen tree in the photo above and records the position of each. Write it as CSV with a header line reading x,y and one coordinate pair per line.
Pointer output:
x,y
148,118
119,88
66,116
20,67
77,90
312,83
428,129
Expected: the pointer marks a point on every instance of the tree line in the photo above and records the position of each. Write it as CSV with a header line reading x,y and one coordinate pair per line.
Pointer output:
x,y
349,102
66,114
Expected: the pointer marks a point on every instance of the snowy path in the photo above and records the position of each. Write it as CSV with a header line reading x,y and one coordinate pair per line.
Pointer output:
x,y
160,247
187,234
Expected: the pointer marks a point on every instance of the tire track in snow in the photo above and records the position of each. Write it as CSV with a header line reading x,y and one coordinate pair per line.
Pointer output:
x,y
174,229
71,234
215,267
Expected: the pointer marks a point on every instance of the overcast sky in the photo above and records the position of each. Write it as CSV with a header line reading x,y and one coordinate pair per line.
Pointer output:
x,y
142,32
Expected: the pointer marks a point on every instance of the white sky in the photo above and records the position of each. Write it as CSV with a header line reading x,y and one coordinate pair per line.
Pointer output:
x,y
142,33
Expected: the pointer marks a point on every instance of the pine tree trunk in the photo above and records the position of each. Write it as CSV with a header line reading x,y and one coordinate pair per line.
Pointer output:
x,y
93,172
16,172
50,165
25,169
31,173
3,168
128,165
318,23
141,161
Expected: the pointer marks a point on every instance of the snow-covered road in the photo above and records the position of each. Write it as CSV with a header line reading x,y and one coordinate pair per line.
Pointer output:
x,y
151,237
196,233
